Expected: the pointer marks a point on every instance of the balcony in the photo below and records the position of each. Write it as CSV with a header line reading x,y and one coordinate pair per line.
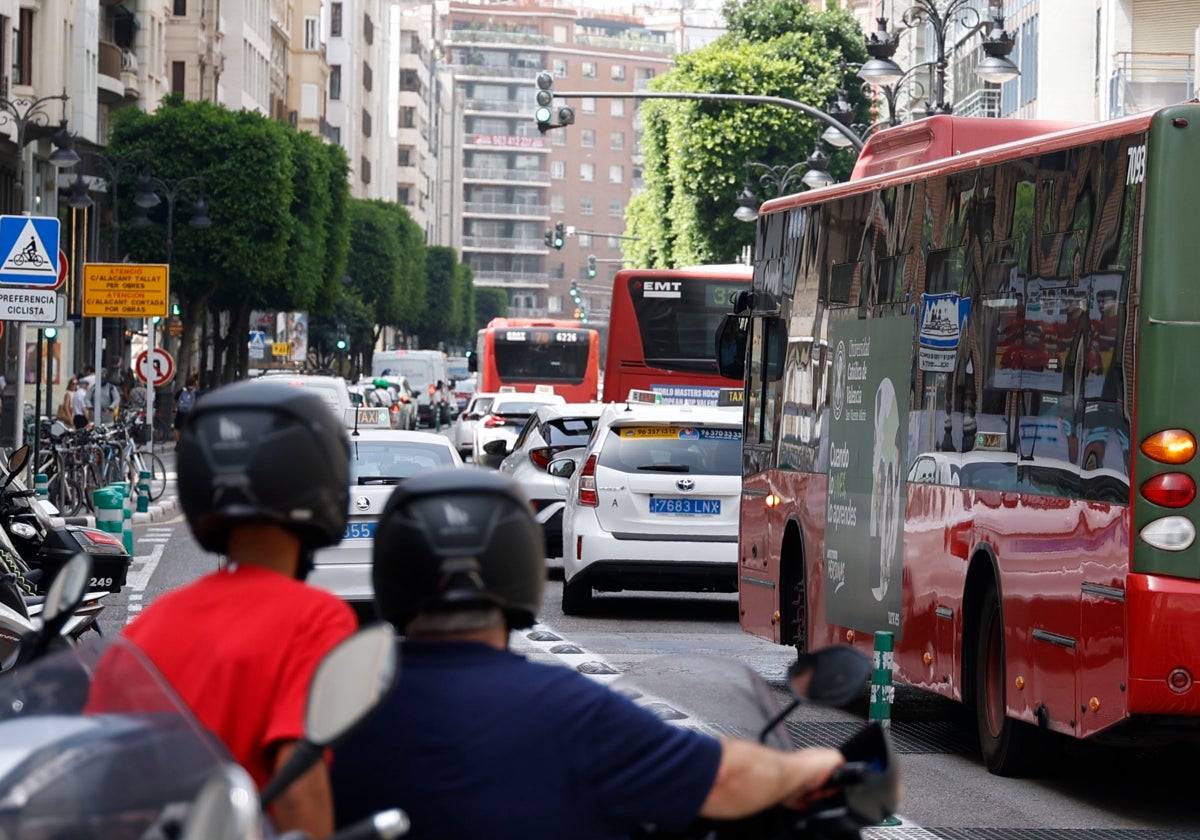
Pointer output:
x,y
503,243
511,280
479,35
521,176
630,42
479,70
129,75
497,106
109,87
1143,81
489,208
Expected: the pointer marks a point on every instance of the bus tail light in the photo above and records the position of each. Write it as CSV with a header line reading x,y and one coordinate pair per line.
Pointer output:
x,y
1179,680
1171,533
493,421
1173,490
1172,446
587,483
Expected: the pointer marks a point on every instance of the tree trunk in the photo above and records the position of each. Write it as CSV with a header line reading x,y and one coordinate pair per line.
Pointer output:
x,y
192,310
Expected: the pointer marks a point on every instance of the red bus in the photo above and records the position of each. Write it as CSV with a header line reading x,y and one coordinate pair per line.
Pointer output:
x,y
523,353
970,421
660,335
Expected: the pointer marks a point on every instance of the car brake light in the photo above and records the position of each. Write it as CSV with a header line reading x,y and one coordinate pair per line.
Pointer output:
x,y
404,398
493,420
1173,490
394,409
541,457
587,483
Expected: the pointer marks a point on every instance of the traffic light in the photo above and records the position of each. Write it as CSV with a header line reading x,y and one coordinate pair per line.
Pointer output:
x,y
343,340
574,291
549,238
560,236
176,310
591,265
542,113
566,115
51,333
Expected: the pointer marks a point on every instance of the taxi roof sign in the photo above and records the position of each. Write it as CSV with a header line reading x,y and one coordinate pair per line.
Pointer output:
x,y
367,418
543,389
991,441
507,389
731,396
644,397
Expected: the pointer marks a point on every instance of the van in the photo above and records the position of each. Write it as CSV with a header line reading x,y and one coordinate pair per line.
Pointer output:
x,y
422,369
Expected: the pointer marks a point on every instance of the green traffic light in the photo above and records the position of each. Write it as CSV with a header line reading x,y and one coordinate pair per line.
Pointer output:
x,y
542,115
341,344
51,333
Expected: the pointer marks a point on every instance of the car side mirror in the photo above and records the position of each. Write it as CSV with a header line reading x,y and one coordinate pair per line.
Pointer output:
x,y
496,447
561,467
731,346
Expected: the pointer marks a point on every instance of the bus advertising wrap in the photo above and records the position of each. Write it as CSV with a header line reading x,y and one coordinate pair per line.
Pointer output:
x,y
864,512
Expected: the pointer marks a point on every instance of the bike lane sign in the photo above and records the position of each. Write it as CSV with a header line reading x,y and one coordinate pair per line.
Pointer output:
x,y
29,250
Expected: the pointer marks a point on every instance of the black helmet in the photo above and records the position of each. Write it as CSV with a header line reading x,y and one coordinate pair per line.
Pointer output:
x,y
456,538
258,451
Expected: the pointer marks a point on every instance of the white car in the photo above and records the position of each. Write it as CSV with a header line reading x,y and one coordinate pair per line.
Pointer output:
x,y
379,460
496,430
464,426
653,504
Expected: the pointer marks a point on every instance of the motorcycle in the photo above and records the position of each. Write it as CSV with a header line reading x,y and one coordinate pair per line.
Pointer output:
x,y
96,745
863,792
43,544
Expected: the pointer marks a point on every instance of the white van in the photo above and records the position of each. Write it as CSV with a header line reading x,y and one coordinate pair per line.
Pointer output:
x,y
422,368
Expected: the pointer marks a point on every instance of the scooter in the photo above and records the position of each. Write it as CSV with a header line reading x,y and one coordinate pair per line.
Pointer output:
x,y
96,745
43,544
30,625
863,792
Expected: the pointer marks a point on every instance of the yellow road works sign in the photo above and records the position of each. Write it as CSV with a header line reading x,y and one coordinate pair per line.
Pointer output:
x,y
281,348
125,290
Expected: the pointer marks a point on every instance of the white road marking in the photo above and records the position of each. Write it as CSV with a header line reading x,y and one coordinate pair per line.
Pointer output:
x,y
137,580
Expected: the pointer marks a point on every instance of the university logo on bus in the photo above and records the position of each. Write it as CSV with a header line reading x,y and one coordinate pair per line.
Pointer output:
x,y
839,380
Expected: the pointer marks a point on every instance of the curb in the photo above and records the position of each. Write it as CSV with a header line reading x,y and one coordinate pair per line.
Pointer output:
x,y
158,510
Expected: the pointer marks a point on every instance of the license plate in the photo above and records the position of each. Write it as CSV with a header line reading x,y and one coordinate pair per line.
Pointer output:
x,y
686,507
359,531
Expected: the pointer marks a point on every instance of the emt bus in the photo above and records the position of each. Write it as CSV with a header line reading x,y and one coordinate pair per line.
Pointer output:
x,y
661,326
970,421
522,353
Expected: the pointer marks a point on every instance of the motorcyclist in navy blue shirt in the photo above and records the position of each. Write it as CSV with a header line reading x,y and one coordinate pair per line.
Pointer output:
x,y
476,741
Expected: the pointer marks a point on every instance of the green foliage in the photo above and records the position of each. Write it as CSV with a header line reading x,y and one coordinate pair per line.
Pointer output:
x,y
442,315
375,271
412,289
489,304
464,279
695,150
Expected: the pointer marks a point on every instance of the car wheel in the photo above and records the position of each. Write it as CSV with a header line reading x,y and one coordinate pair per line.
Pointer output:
x,y
577,597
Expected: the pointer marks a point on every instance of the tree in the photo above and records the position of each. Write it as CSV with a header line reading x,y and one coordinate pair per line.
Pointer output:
x,y
442,313
695,150
489,304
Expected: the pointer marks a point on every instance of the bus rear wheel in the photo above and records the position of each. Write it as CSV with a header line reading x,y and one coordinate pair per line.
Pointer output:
x,y
1010,747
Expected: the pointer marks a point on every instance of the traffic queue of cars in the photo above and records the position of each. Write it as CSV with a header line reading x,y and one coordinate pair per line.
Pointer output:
x,y
634,495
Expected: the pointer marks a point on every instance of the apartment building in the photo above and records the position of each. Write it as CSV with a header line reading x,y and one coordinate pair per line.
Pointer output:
x,y
516,182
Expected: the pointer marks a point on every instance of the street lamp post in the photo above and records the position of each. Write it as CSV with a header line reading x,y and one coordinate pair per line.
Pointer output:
x,y
943,20
813,172
150,189
25,113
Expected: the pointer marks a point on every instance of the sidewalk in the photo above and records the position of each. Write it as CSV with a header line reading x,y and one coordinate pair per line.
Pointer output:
x,y
166,506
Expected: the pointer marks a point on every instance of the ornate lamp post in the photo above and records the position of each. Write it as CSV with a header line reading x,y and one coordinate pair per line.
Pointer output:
x,y
815,169
943,20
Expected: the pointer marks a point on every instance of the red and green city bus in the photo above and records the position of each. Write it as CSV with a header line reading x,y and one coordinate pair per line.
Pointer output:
x,y
661,326
971,422
522,353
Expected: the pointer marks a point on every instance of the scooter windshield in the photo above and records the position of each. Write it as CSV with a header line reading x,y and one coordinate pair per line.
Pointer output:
x,y
95,744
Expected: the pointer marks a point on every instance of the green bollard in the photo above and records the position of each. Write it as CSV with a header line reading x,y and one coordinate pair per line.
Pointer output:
x,y
41,483
882,691
107,501
143,491
126,514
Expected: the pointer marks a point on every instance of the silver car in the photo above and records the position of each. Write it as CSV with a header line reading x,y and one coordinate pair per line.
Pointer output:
x,y
464,426
552,431
379,460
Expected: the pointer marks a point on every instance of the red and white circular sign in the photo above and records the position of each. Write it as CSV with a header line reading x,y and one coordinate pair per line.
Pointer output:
x,y
63,269
157,367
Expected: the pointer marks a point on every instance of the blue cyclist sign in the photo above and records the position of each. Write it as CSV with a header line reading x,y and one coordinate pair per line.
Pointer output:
x,y
29,250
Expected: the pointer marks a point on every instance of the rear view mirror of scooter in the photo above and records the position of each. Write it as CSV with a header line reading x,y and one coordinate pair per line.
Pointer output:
x,y
62,599
347,685
832,676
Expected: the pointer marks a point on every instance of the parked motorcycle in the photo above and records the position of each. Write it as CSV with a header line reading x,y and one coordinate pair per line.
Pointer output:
x,y
96,745
43,544
864,791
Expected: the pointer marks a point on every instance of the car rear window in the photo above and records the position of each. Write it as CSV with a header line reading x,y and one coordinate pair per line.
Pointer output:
x,y
569,431
376,462
683,449
510,409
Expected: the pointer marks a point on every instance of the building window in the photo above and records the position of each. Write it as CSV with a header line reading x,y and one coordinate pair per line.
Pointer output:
x,y
587,138
589,69
178,70
312,34
616,209
588,104
585,240
335,81
367,79
558,138
402,195
335,135
335,20
558,170
364,168
558,204
22,50
616,174
366,123
617,107
587,172
586,207
559,68
179,8
408,117
618,72
404,156
616,141
368,30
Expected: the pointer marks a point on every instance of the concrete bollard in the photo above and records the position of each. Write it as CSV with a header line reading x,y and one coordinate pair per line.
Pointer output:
x,y
41,483
109,515
882,691
143,491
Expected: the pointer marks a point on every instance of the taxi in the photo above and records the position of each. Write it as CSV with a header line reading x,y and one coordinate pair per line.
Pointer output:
x,y
380,458
652,503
